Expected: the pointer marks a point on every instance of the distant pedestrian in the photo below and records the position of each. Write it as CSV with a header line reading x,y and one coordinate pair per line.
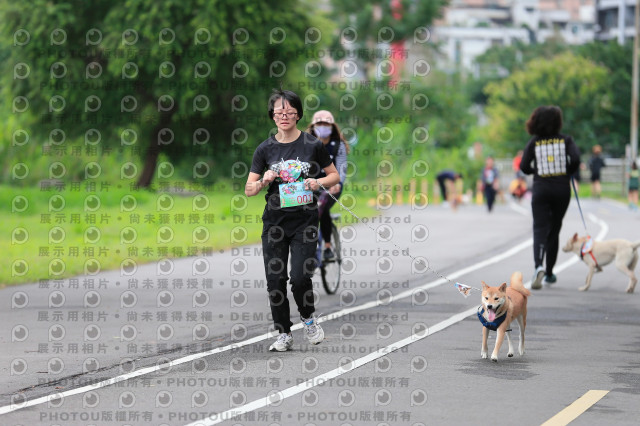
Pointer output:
x,y
447,180
515,163
518,187
552,158
490,183
596,163
634,183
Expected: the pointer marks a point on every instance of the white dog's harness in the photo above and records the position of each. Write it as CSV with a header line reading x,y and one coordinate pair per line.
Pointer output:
x,y
587,248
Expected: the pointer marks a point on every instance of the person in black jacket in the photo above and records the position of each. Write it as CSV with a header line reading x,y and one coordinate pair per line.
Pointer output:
x,y
552,158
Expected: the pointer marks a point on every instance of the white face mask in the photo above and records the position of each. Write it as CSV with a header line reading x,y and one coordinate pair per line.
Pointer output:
x,y
322,131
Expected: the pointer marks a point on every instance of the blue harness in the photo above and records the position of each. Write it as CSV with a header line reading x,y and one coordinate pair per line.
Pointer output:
x,y
491,325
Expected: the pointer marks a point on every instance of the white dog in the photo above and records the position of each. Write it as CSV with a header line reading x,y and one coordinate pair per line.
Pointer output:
x,y
602,253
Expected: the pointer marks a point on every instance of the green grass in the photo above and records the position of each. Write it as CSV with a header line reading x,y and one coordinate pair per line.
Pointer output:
x,y
612,191
95,232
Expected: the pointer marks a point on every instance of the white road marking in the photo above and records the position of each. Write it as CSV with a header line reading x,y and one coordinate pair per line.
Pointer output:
x,y
519,209
148,370
152,369
277,397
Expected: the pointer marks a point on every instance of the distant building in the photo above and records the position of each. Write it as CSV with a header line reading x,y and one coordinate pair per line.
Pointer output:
x,y
615,20
470,27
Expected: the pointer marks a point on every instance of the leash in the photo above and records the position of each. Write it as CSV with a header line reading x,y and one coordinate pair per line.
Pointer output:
x,y
587,245
464,289
575,191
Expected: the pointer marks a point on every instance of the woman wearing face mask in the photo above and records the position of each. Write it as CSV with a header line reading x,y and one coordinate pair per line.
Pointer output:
x,y
323,127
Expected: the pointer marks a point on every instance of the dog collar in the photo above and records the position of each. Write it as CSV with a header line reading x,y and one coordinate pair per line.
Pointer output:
x,y
491,325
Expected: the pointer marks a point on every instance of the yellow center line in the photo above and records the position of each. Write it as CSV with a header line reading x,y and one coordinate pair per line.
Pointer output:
x,y
578,407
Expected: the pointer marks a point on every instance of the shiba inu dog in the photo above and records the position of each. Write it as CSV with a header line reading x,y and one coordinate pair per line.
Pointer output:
x,y
602,253
500,306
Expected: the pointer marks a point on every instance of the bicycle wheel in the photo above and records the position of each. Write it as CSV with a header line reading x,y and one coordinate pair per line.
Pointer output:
x,y
330,269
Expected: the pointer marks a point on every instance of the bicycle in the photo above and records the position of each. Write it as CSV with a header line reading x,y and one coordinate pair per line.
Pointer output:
x,y
330,270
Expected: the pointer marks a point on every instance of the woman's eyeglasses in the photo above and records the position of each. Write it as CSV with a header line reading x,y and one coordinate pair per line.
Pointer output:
x,y
280,116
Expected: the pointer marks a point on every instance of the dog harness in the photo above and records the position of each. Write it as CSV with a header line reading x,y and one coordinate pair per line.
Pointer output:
x,y
584,250
491,325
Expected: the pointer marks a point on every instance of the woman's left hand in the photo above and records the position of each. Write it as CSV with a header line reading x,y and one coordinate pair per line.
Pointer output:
x,y
311,184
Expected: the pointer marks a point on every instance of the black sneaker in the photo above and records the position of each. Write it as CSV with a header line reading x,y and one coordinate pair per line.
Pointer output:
x,y
328,255
550,279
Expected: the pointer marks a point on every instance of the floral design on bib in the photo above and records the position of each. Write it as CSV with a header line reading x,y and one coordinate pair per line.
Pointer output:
x,y
291,170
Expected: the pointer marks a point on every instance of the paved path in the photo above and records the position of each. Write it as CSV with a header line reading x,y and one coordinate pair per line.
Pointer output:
x,y
402,346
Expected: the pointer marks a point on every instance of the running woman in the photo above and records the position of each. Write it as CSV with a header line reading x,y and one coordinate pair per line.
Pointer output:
x,y
292,160
552,158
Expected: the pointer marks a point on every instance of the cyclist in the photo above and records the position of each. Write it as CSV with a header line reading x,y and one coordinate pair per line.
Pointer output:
x,y
291,161
324,127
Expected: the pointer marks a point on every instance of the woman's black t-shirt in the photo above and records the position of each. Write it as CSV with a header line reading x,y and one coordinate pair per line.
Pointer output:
x,y
270,155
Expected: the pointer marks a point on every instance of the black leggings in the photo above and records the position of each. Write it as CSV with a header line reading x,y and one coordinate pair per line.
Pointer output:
x,y
490,195
276,246
443,186
548,206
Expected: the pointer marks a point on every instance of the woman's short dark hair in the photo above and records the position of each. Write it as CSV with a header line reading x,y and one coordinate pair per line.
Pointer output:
x,y
291,97
545,121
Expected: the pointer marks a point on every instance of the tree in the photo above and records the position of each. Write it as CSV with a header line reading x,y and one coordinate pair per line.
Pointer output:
x,y
164,74
576,84
618,61
500,61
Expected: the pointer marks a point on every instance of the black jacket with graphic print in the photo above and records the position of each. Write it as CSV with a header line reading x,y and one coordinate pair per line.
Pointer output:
x,y
552,160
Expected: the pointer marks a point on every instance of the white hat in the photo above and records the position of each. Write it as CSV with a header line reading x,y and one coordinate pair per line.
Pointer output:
x,y
322,116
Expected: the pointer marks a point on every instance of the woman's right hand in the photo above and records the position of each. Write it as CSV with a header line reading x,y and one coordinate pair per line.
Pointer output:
x,y
269,176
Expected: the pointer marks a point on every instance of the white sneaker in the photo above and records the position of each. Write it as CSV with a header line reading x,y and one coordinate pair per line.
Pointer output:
x,y
536,281
313,331
283,343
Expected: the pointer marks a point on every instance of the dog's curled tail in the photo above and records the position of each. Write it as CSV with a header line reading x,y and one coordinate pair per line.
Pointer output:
x,y
516,284
635,245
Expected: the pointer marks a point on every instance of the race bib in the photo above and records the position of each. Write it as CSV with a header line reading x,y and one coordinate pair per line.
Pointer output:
x,y
294,194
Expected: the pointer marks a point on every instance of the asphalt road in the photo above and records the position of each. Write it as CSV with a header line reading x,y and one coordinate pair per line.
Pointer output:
x,y
187,342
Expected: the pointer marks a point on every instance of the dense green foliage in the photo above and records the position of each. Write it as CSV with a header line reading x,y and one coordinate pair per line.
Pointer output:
x,y
575,84
168,80
596,111
181,87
